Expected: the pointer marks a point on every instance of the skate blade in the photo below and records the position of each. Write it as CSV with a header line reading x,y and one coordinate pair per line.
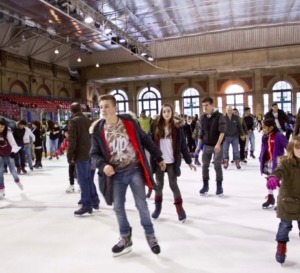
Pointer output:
x,y
269,207
204,194
125,251
220,195
182,221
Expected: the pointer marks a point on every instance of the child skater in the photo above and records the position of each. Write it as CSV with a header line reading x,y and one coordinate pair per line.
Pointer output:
x,y
63,147
288,201
8,147
272,147
167,133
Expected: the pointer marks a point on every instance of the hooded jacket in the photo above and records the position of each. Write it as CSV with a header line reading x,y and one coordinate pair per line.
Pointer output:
x,y
178,142
280,144
288,200
100,155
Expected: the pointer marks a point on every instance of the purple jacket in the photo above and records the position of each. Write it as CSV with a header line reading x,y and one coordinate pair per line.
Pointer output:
x,y
279,146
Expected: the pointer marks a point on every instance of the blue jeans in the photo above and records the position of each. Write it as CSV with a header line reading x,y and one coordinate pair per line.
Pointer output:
x,y
234,141
27,152
134,178
89,196
251,139
11,165
284,229
53,145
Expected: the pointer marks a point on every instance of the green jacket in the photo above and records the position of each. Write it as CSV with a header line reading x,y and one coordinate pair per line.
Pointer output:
x,y
288,200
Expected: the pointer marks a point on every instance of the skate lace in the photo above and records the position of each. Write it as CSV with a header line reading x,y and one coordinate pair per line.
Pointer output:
x,y
281,249
151,241
123,242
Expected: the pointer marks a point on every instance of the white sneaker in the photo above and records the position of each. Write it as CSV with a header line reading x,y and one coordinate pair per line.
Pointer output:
x,y
20,185
2,194
70,189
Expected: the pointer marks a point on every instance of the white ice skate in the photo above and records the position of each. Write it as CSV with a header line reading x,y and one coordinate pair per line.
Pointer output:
x,y
70,189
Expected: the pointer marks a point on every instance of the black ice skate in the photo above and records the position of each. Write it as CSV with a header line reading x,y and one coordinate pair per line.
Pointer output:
x,y
219,191
124,246
270,201
204,189
152,242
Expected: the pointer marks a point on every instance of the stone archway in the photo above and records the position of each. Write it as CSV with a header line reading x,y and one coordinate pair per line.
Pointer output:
x,y
19,87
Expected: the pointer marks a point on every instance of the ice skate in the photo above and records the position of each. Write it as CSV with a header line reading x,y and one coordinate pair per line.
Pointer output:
x,y
152,242
219,191
124,246
70,189
270,202
204,189
280,253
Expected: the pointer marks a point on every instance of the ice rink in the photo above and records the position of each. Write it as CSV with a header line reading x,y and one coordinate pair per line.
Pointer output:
x,y
39,233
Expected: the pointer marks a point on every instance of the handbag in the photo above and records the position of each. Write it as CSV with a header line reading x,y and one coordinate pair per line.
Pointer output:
x,y
5,148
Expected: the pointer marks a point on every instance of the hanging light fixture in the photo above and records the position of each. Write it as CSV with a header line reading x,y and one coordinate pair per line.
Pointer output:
x,y
56,51
79,60
97,65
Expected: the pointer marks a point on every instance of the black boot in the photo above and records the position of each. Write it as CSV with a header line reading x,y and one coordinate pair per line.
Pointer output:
x,y
270,201
197,163
158,203
204,189
252,154
219,191
124,245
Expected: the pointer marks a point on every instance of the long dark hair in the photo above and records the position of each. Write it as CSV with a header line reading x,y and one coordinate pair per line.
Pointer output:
x,y
2,122
160,129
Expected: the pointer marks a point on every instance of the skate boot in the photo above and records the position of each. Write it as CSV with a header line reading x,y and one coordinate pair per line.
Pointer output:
x,y
225,163
152,242
280,253
219,191
82,211
23,170
2,193
19,170
18,183
204,189
180,211
246,155
270,201
124,245
158,203
252,154
237,164
196,162
70,189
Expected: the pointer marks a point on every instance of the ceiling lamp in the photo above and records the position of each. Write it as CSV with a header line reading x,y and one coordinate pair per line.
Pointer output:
x,y
97,65
79,60
88,19
56,51
150,59
107,31
122,40
143,54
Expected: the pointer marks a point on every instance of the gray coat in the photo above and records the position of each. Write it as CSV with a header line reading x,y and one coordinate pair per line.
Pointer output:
x,y
288,200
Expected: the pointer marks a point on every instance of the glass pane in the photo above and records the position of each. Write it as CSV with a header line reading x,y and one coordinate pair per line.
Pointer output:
x,y
233,89
240,109
287,96
195,102
239,98
230,99
121,106
298,101
186,102
282,85
276,96
190,92
153,104
119,97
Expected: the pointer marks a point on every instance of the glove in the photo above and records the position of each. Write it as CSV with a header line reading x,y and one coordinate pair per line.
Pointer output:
x,y
272,183
12,155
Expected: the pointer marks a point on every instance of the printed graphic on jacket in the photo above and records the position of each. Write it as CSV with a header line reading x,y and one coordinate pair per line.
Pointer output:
x,y
121,150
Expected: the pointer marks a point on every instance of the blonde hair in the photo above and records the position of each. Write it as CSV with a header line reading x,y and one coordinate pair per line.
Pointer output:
x,y
290,156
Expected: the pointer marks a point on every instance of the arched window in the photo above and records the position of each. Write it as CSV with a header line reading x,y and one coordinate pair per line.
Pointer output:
x,y
122,100
191,102
235,97
149,99
282,95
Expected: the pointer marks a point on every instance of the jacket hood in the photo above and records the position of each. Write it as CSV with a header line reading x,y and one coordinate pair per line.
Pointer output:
x,y
125,116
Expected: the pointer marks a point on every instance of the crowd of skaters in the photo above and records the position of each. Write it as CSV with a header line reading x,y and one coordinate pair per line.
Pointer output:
x,y
117,150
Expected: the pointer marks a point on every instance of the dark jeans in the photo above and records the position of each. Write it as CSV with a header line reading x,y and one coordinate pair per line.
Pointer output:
x,y
38,155
208,151
20,158
71,174
284,229
242,148
45,147
159,176
89,196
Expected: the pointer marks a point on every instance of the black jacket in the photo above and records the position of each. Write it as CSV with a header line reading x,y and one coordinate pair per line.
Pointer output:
x,y
212,127
282,118
233,126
